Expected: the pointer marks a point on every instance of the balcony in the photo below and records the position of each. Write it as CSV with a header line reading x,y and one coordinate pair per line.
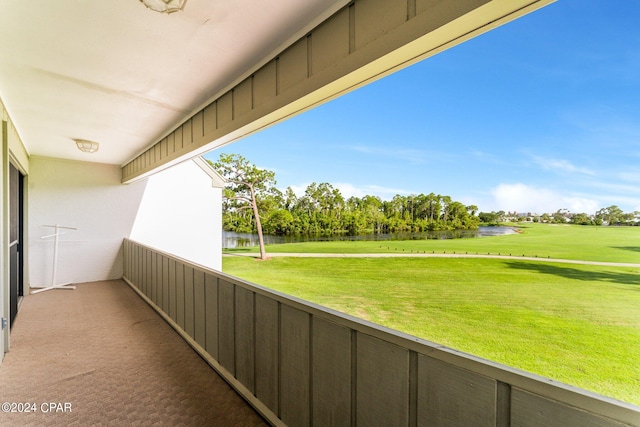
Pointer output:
x,y
156,94
301,364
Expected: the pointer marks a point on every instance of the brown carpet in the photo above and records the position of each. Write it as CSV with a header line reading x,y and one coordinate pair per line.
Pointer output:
x,y
102,351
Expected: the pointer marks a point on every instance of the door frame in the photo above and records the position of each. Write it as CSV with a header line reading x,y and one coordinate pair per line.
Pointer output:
x,y
20,161
16,240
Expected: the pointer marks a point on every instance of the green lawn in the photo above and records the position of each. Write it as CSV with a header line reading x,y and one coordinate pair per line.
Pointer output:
x,y
578,324
614,244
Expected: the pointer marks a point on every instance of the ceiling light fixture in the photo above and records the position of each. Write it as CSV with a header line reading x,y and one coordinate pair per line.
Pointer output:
x,y
87,146
164,6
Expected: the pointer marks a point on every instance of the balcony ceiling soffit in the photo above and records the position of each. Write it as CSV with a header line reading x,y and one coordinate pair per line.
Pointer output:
x,y
120,74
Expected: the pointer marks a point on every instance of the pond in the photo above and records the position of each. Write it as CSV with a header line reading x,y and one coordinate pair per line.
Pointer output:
x,y
231,239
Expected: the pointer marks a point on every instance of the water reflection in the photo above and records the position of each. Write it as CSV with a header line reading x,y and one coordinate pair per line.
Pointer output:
x,y
240,240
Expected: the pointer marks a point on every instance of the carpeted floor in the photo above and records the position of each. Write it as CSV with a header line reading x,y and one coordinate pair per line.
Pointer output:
x,y
102,356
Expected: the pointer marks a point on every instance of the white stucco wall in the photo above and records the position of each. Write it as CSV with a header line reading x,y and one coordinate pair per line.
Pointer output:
x,y
177,211
181,213
90,197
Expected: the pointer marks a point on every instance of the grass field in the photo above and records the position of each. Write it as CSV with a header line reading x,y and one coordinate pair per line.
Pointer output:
x,y
611,244
578,324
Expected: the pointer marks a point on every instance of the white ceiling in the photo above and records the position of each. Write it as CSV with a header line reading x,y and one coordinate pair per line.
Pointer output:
x,y
115,72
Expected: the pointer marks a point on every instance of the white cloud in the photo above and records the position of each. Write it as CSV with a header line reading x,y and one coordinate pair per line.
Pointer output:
x,y
410,155
617,190
633,176
486,157
299,189
582,204
385,193
349,190
561,165
626,203
526,198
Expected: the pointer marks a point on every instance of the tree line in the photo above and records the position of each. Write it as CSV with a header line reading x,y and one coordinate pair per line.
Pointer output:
x,y
324,210
253,204
251,197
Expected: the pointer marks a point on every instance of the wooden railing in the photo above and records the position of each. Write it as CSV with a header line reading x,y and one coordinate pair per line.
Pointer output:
x,y
300,364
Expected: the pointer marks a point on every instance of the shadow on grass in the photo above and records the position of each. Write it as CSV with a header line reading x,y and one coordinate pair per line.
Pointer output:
x,y
240,252
577,274
628,248
235,250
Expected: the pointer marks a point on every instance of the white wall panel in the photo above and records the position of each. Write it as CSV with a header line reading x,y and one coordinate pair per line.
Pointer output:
x,y
90,197
180,213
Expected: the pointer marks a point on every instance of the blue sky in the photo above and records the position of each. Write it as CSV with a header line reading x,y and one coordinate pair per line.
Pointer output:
x,y
538,115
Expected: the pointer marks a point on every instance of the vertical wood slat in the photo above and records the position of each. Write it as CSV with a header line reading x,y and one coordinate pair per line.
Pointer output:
x,y
180,295
413,388
143,270
243,98
354,377
330,42
450,394
165,284
138,259
411,9
128,255
377,17
210,118
293,65
352,27
158,280
173,140
211,314
245,338
503,403
294,367
187,137
154,277
126,251
226,319
158,283
382,382
141,265
172,291
146,266
224,109
267,343
199,324
149,273
189,315
197,128
264,84
179,137
331,374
